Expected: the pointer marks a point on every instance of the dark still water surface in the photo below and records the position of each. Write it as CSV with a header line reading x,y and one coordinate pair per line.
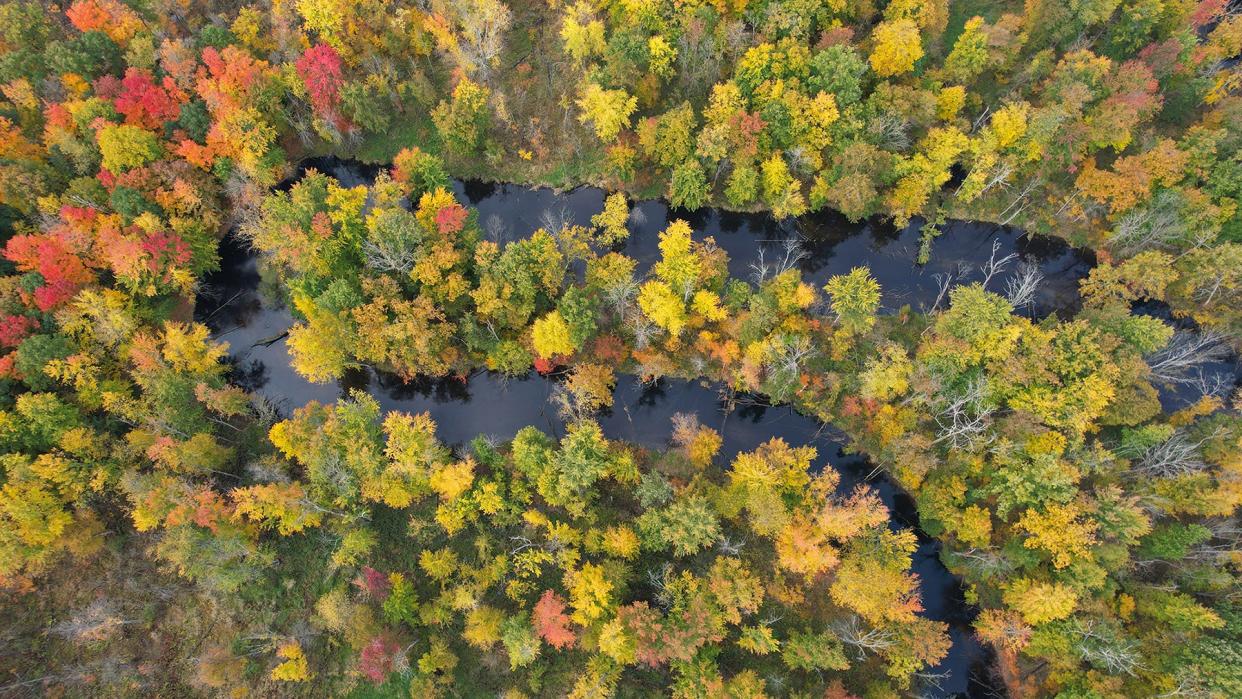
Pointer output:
x,y
832,245
489,404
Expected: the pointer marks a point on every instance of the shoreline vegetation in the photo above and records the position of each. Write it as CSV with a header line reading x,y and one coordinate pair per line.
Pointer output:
x,y
599,324
165,533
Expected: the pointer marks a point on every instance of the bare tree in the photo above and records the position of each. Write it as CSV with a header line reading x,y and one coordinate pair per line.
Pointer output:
x,y
555,221
699,55
483,25
658,579
637,216
852,632
965,419
267,471
1175,456
790,353
986,561
685,427
301,120
497,229
891,130
644,330
798,160
945,282
1103,648
1189,684
933,682
97,622
1223,546
981,119
1222,280
995,266
568,405
1183,353
762,270
389,254
776,683
998,177
698,365
1156,226
1216,383
1020,201
265,411
352,136
247,197
1021,288
620,297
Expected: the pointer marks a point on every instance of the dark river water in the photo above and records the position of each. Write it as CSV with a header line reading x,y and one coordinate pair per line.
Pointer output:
x,y
832,245
490,404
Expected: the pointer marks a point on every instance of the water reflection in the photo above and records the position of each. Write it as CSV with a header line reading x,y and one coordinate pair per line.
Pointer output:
x,y
832,244
494,405
497,406
1220,375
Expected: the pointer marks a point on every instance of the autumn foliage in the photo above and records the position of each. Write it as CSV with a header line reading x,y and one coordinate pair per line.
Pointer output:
x,y
320,70
164,531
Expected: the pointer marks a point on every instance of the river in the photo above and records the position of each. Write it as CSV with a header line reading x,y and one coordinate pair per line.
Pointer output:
x,y
487,403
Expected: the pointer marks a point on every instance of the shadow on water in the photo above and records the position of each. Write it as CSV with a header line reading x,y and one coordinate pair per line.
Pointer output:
x,y
1219,374
490,404
832,245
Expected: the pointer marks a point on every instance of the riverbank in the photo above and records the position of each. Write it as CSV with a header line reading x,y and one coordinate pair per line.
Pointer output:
x,y
492,404
498,406
818,249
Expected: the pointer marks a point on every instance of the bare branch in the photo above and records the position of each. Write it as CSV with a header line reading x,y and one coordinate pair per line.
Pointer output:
x,y
965,419
1184,352
852,633
1103,649
1021,288
1176,456
995,266
1158,225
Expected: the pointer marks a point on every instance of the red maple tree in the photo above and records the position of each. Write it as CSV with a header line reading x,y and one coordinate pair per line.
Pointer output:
x,y
320,70
551,622
379,658
451,219
145,103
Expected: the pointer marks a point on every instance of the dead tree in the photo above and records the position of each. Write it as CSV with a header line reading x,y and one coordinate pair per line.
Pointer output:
x,y
964,419
874,641
790,354
945,281
1103,648
995,266
1021,288
1175,456
762,270
1185,352
389,254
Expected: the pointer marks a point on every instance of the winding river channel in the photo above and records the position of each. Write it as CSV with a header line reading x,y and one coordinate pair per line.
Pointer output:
x,y
487,403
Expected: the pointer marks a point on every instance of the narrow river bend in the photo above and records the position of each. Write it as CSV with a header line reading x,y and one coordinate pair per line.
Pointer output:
x,y
232,306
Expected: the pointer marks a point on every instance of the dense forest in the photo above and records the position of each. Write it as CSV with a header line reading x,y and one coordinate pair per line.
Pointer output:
x,y
167,532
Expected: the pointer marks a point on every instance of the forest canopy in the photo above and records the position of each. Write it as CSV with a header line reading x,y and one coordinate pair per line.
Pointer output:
x,y
166,532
